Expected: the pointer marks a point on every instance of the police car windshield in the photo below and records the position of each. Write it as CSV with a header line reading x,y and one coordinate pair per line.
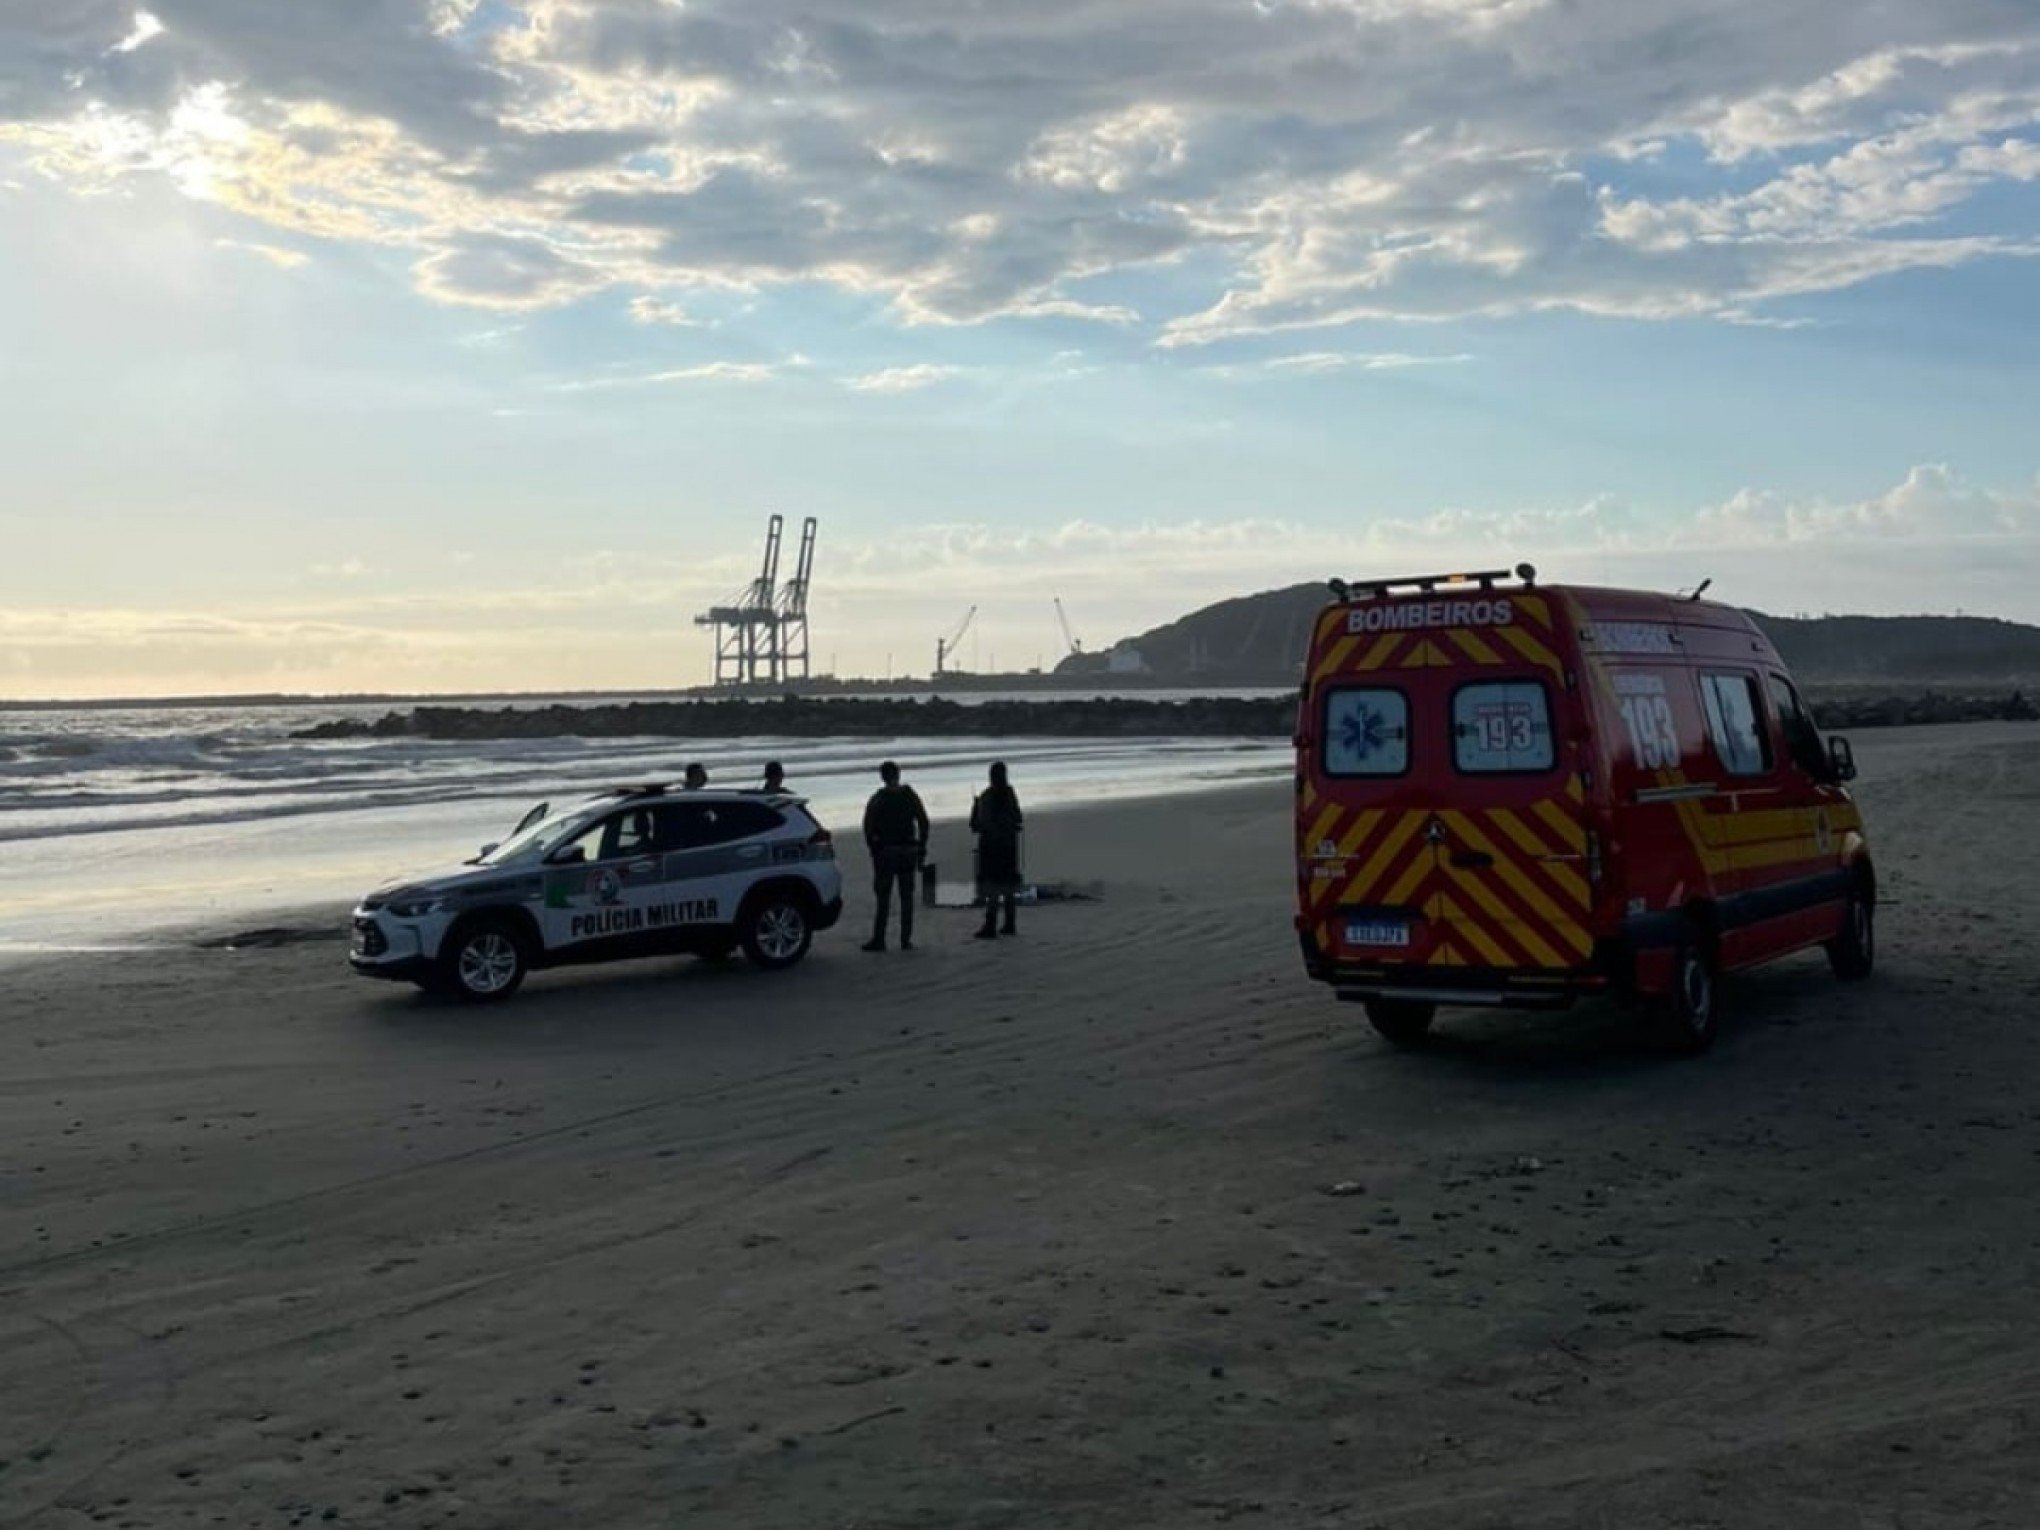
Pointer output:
x,y
538,841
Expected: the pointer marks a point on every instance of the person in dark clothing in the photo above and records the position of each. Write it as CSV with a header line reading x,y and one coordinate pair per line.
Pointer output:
x,y
696,777
996,820
775,776
896,832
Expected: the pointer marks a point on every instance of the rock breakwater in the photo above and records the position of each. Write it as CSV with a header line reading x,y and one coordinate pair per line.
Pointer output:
x,y
934,717
1841,713
808,717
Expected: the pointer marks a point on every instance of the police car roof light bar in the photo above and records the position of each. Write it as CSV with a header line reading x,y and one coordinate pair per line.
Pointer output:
x,y
1428,584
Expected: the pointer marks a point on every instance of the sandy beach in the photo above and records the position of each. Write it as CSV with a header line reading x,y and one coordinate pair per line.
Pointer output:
x,y
1122,1223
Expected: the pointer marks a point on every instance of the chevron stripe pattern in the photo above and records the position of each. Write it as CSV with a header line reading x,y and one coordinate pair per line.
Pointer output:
x,y
1527,907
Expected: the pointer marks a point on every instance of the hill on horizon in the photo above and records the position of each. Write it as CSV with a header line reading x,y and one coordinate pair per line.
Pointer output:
x,y
1260,640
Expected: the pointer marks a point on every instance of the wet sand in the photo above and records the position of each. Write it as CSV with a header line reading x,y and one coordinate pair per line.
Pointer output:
x,y
1042,1233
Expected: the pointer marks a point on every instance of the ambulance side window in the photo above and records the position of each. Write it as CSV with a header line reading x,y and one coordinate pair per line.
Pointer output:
x,y
1502,728
1802,738
1367,732
1735,722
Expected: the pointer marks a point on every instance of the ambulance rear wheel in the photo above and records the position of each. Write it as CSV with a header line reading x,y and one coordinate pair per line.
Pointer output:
x,y
1406,1022
1853,953
1690,1015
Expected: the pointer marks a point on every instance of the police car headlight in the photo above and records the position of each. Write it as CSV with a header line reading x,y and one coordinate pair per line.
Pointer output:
x,y
416,908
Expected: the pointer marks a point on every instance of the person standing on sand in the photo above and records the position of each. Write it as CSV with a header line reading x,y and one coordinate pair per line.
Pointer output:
x,y
775,777
696,777
896,833
996,820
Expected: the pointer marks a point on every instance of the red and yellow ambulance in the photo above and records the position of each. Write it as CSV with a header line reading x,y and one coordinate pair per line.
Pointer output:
x,y
1509,794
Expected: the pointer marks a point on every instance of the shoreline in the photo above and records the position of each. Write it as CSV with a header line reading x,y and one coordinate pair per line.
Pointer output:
x,y
298,920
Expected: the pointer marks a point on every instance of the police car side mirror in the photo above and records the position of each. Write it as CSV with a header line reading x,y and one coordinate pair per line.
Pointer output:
x,y
1841,759
573,855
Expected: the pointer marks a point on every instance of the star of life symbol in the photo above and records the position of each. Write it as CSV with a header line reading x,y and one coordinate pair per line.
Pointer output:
x,y
1363,732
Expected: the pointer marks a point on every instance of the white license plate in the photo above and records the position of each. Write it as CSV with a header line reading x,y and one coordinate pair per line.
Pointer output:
x,y
1377,932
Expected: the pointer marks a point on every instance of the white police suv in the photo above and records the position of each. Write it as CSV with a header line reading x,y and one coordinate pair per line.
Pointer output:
x,y
633,871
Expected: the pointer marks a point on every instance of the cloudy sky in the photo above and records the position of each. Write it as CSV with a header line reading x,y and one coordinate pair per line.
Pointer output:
x,y
444,344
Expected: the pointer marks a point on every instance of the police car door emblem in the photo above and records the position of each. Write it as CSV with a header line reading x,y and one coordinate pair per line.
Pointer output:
x,y
607,886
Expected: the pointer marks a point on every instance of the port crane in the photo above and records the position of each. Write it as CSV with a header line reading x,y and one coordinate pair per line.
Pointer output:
x,y
1074,643
946,647
793,609
761,632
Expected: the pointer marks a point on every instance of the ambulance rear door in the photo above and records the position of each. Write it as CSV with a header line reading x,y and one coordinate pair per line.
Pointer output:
x,y
1444,819
1509,838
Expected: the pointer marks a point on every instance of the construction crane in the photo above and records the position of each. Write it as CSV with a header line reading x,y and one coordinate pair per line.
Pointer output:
x,y
944,647
1069,637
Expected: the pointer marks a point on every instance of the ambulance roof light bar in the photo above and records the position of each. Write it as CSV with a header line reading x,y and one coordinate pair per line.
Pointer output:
x,y
1430,584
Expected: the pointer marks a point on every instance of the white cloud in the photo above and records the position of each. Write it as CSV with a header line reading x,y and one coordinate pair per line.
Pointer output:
x,y
747,372
1931,522
1351,361
146,27
275,254
909,379
1897,181
503,271
651,310
1113,154
1892,85
720,371
1301,163
1933,504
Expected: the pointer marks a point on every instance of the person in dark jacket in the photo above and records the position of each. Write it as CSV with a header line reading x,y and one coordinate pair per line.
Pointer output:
x,y
996,820
896,833
775,777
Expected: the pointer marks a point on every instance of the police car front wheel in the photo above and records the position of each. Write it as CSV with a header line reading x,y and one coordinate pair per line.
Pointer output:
x,y
777,930
482,962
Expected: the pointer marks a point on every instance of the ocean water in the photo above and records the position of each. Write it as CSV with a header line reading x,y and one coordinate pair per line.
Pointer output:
x,y
120,824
